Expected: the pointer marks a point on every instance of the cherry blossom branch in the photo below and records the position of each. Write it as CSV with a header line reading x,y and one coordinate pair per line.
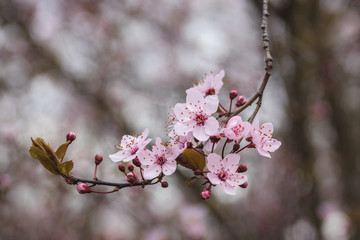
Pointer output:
x,y
75,180
268,66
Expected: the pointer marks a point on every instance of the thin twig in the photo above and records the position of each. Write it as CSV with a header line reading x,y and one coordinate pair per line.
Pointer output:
x,y
75,180
268,66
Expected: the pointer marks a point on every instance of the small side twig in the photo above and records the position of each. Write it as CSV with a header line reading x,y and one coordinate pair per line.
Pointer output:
x,y
268,66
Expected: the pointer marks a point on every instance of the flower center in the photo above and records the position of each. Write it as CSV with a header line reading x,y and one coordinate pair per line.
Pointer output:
x,y
238,130
134,150
161,160
200,119
222,176
210,91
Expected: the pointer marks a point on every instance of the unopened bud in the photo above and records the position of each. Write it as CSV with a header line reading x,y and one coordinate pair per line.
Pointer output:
x,y
236,147
198,172
164,184
249,139
130,167
241,168
241,100
136,162
121,167
83,188
205,194
215,139
244,185
233,94
131,178
70,136
98,159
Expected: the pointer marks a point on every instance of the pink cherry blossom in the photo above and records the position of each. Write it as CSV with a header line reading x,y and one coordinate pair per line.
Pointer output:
x,y
262,138
160,160
195,116
236,128
130,147
223,172
210,85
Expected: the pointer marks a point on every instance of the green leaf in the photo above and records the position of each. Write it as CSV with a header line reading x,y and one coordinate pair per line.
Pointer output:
x,y
191,159
61,151
41,155
190,181
66,167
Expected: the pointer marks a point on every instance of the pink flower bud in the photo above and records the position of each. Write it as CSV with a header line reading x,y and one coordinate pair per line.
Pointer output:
x,y
136,162
240,101
241,168
70,136
233,94
164,184
131,178
215,139
244,185
121,167
249,139
130,167
205,194
83,188
98,159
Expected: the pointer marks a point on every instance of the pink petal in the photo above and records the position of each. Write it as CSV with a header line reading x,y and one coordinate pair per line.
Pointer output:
x,y
129,158
169,167
144,135
267,128
247,127
255,125
208,82
234,121
181,113
127,140
200,134
144,143
152,171
146,157
194,100
120,155
182,129
211,126
229,133
214,163
217,82
237,179
228,188
213,178
263,152
231,162
172,151
271,145
211,104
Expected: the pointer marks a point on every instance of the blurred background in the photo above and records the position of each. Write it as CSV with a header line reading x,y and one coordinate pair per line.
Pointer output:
x,y
107,68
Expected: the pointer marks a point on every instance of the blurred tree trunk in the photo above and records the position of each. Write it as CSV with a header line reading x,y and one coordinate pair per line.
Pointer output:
x,y
316,75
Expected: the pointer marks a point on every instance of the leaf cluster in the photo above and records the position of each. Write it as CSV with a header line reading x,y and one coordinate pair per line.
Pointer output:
x,y
51,160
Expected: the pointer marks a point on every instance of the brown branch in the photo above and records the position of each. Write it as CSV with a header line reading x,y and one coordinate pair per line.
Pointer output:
x,y
268,67
74,180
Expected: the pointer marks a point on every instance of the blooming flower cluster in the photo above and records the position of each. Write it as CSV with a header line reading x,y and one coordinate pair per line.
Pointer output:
x,y
198,128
